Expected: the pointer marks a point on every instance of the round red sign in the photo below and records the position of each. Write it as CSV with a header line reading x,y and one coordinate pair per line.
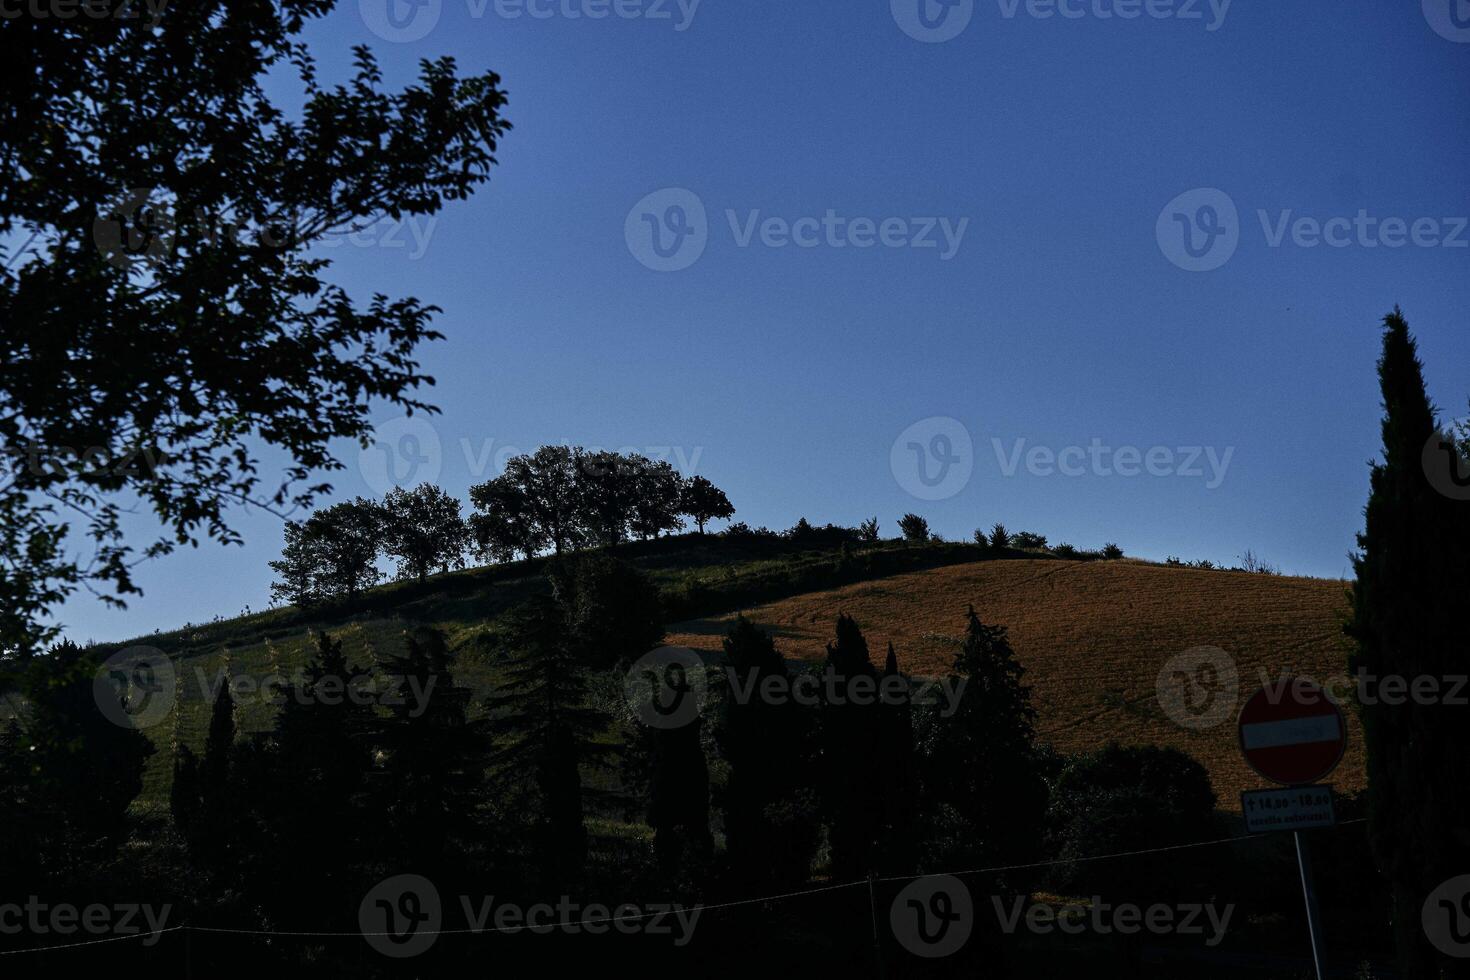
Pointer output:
x,y
1291,732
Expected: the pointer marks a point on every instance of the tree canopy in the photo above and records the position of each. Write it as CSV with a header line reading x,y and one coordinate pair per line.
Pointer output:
x,y
163,315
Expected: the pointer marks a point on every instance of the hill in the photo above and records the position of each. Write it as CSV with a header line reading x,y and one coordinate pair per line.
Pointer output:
x,y
1093,637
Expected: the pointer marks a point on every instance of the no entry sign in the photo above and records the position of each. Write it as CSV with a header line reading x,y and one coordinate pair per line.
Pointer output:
x,y
1291,732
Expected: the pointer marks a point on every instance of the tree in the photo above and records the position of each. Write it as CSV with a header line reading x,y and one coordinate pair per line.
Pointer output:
x,y
423,530
332,554
915,529
979,764
541,494
612,610
202,799
896,772
1028,540
1111,552
606,494
313,807
70,773
547,728
1000,538
503,524
1118,799
165,317
704,502
771,824
850,732
868,531
299,568
434,764
657,494
1412,574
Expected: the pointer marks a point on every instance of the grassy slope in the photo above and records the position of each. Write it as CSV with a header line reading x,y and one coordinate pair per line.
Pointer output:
x,y
1093,637
1091,634
696,575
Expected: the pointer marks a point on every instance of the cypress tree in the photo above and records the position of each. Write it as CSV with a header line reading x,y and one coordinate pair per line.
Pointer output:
x,y
312,805
980,764
1412,577
896,775
770,824
434,759
850,731
548,729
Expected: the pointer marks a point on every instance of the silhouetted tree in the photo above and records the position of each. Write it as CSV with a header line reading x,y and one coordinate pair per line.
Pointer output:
x,y
851,723
868,530
896,773
1413,573
1118,799
313,808
70,773
979,765
771,820
607,492
210,799
704,502
914,528
541,498
999,537
611,609
504,523
657,496
164,315
422,528
300,568
332,554
547,729
434,761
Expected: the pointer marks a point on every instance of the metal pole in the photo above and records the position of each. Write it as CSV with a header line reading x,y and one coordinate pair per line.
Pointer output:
x,y
873,907
1314,919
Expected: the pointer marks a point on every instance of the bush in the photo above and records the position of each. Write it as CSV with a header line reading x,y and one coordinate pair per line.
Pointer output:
x,y
1111,552
1122,799
915,529
1250,562
742,530
1028,540
1064,550
828,535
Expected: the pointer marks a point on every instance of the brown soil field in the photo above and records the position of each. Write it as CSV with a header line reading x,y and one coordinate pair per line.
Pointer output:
x,y
1093,637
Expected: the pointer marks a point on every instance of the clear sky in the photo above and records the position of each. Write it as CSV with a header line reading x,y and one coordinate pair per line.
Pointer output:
x,y
1021,281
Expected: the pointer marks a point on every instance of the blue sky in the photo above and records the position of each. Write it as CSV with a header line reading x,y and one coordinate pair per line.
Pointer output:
x,y
1066,156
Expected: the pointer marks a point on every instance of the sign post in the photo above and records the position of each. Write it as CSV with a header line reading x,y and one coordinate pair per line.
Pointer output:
x,y
1292,733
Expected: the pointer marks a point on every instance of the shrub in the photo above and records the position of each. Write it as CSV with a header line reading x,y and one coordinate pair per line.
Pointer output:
x,y
915,529
1029,540
1111,552
1119,799
1064,550
1250,562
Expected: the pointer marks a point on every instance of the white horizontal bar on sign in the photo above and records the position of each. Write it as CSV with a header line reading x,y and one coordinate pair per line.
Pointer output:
x,y
1295,731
